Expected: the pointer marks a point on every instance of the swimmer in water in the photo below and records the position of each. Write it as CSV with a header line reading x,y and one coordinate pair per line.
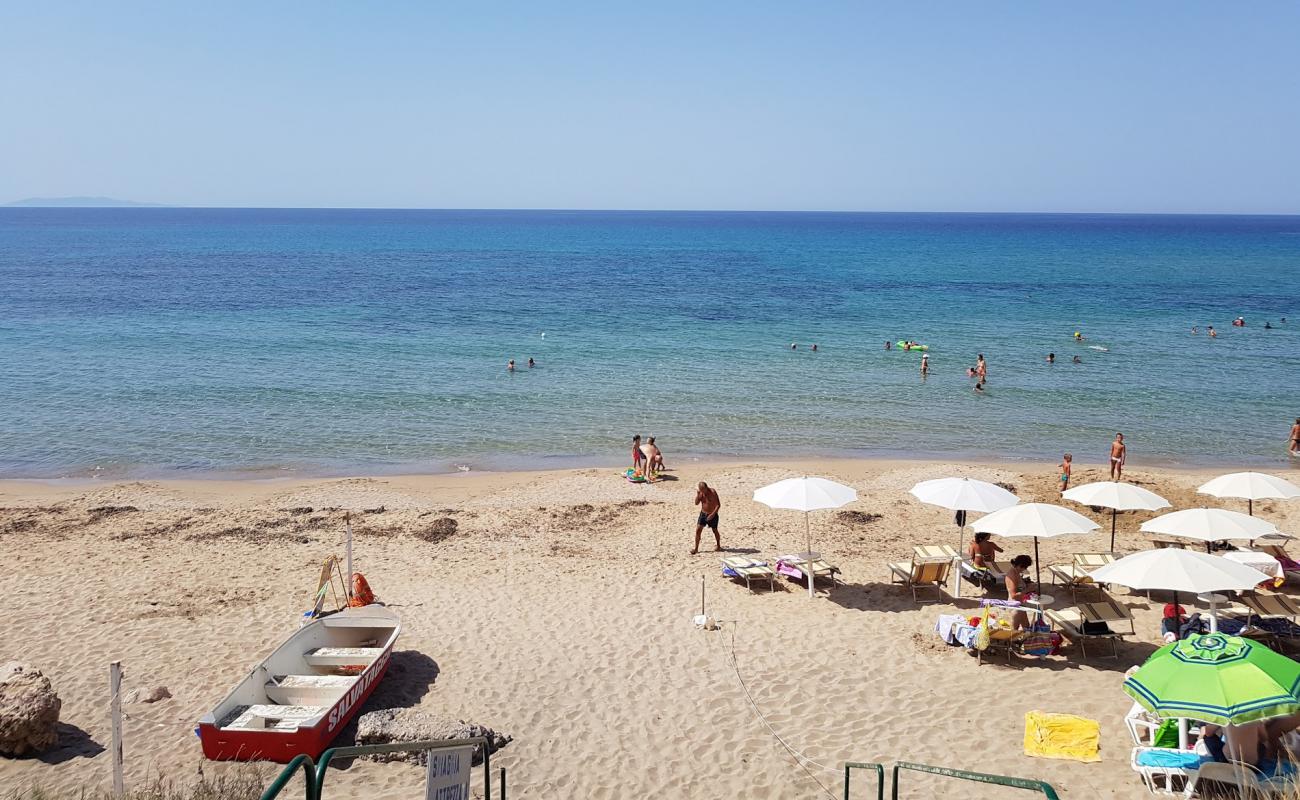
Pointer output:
x,y
1078,337
794,346
1268,326
510,365
1210,329
1051,358
970,372
1195,330
531,363
889,345
814,347
1078,360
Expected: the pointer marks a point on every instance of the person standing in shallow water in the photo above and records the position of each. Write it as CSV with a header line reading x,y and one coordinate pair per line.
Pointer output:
x,y
1295,438
981,369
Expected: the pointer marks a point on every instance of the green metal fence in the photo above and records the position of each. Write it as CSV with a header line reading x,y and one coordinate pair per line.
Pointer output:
x,y
880,776
980,777
316,772
947,772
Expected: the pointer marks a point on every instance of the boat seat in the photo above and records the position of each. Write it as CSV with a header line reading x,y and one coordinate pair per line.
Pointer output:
x,y
274,717
296,690
342,656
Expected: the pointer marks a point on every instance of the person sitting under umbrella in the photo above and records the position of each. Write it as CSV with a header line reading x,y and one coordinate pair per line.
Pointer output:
x,y
982,556
1177,625
1018,589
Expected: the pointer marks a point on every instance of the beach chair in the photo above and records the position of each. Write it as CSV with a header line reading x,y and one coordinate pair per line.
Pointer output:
x,y
1269,618
1161,544
748,569
1106,610
1142,726
1161,767
1077,575
1290,568
797,566
1070,622
922,572
1234,779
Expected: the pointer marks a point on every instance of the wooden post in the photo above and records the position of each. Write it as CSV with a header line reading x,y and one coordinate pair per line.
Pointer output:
x,y
115,709
347,580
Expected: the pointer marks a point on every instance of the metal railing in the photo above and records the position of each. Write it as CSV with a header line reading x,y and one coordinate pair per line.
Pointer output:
x,y
980,777
316,771
879,769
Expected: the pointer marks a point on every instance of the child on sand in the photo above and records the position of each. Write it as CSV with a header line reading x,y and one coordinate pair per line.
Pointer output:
x,y
1066,462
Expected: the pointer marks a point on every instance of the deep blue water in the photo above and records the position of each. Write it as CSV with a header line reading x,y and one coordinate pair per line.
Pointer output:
x,y
157,341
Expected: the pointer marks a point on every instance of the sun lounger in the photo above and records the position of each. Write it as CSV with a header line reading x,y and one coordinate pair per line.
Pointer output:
x,y
934,551
1290,568
797,566
1243,780
1163,543
1077,575
1072,622
1160,767
917,573
749,570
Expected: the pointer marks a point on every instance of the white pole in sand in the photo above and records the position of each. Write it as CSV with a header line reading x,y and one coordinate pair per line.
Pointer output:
x,y
115,713
807,564
347,582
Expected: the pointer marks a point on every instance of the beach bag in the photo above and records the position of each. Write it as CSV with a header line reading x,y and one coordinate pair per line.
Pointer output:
x,y
982,635
1038,644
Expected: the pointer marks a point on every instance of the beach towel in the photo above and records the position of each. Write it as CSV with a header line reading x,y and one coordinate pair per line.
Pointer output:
x,y
1168,759
1062,736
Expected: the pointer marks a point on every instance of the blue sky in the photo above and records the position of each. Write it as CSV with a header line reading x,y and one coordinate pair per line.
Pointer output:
x,y
990,106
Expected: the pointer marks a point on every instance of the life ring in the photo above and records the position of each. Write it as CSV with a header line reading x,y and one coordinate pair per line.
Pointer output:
x,y
634,476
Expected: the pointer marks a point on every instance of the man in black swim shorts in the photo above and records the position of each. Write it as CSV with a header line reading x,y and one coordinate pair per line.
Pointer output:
x,y
709,502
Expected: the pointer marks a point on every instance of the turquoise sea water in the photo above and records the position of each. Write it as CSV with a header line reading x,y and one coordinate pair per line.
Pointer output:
x,y
270,342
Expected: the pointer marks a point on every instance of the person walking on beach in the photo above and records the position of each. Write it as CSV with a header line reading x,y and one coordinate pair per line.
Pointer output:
x,y
1118,457
1295,438
1067,461
981,368
710,504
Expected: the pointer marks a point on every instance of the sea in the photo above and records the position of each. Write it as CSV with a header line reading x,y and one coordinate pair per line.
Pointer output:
x,y
177,342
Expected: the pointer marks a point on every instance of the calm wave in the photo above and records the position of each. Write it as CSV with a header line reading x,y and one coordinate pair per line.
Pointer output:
x,y
164,341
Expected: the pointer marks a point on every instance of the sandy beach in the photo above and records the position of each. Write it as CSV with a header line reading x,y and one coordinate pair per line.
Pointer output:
x,y
559,612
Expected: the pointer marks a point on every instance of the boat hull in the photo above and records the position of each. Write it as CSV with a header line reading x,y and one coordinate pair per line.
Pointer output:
x,y
310,738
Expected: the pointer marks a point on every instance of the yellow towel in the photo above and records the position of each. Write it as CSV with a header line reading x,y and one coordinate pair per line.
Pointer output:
x,y
1062,736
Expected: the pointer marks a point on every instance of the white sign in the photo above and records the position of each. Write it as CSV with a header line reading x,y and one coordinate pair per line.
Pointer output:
x,y
448,775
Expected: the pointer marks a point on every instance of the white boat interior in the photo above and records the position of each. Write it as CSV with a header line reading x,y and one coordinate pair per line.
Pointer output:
x,y
309,673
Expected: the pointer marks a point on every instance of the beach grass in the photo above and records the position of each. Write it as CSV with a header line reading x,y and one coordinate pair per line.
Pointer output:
x,y
243,784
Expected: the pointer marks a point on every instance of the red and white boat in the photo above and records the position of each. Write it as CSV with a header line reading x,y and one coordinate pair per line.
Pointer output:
x,y
299,698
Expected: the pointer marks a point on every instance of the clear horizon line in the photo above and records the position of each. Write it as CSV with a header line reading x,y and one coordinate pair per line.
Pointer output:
x,y
142,206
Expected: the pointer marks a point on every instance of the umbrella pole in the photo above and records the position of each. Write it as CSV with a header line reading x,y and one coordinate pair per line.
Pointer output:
x,y
1178,620
956,567
1113,513
1250,506
807,536
1038,570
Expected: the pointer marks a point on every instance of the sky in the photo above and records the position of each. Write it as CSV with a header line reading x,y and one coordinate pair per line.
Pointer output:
x,y
1162,106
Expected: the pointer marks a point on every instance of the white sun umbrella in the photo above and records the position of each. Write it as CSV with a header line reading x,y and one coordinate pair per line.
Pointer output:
x,y
1039,520
1177,570
806,494
1209,525
1250,486
1117,497
964,494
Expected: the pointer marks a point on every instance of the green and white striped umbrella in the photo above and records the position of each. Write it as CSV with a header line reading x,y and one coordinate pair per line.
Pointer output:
x,y
1226,680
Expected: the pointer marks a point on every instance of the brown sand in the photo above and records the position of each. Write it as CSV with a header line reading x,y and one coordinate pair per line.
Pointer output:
x,y
559,612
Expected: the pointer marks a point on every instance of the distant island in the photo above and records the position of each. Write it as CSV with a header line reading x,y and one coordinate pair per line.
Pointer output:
x,y
79,202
